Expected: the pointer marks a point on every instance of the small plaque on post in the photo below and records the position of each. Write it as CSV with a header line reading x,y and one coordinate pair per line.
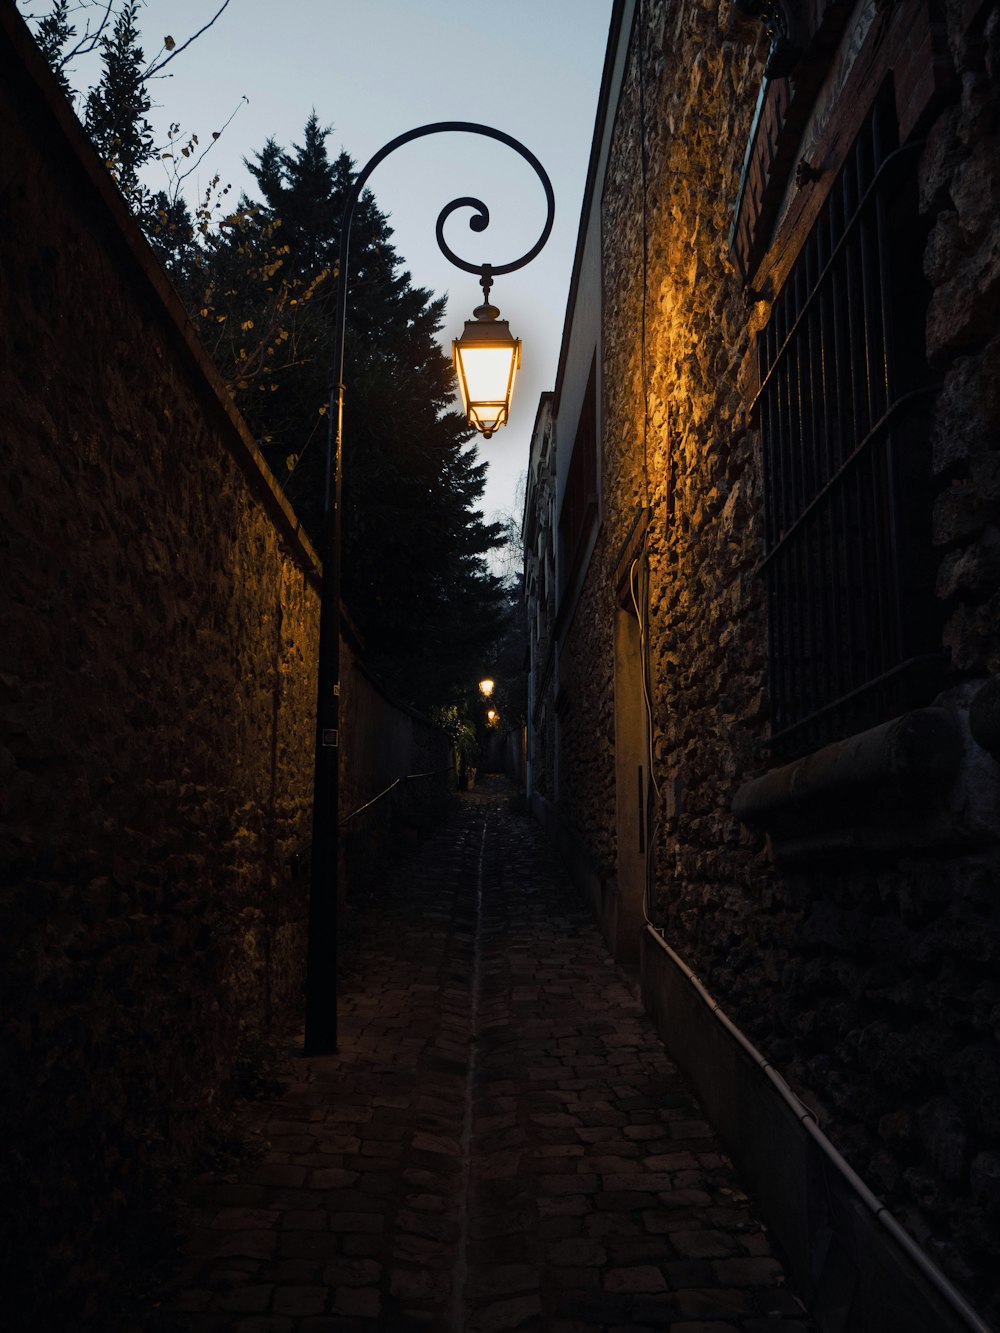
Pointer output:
x,y
331,738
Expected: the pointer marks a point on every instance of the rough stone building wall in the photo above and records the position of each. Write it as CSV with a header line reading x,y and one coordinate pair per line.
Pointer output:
x,y
157,704
540,596
684,458
676,442
869,979
586,784
158,696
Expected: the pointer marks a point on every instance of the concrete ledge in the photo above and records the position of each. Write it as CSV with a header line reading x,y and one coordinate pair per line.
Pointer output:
x,y
919,747
843,1256
984,717
872,791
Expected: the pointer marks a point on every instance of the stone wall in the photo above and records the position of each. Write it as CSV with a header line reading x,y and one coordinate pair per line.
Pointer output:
x,y
540,598
157,704
396,772
674,440
868,978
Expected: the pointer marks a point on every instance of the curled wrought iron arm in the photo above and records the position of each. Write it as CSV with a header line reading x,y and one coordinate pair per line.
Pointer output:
x,y
481,216
478,222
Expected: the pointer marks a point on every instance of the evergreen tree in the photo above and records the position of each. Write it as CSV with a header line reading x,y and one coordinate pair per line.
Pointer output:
x,y
170,230
415,576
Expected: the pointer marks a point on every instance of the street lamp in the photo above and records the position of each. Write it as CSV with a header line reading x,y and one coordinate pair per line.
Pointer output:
x,y
486,404
486,358
486,687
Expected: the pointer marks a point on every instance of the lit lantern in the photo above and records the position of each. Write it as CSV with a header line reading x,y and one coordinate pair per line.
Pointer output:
x,y
486,359
486,687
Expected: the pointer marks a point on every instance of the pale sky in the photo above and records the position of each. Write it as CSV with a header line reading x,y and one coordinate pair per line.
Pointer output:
x,y
374,69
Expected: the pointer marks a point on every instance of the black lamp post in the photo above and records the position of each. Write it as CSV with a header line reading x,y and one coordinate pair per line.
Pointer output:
x,y
486,359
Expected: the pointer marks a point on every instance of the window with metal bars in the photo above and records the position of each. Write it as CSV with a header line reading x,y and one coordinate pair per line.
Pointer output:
x,y
843,407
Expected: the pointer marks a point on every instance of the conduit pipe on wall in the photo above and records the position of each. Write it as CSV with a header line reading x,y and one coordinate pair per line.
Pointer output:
x,y
809,1123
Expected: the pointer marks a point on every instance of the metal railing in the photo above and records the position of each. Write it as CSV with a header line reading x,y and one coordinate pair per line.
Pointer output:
x,y
400,782
299,859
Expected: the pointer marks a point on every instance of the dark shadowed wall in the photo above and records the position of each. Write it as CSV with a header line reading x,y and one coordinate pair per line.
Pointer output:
x,y
157,695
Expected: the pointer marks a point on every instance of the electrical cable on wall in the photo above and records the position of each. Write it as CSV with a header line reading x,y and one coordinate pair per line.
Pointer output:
x,y
644,175
640,600
641,606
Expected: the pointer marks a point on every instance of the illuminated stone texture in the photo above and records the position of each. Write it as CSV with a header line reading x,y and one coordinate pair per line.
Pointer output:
x,y
868,979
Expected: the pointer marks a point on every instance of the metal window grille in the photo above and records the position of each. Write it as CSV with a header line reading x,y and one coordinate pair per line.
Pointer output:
x,y
842,410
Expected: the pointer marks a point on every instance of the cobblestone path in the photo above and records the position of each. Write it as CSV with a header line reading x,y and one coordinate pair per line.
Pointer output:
x,y
501,1142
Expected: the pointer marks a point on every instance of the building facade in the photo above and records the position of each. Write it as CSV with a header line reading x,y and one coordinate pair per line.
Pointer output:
x,y
764,697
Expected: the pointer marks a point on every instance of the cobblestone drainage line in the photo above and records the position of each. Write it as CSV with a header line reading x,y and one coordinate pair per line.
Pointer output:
x,y
457,1313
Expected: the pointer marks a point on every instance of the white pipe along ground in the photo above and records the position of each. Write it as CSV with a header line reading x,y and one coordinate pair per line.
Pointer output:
x,y
808,1121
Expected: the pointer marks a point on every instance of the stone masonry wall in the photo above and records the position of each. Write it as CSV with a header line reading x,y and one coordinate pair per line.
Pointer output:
x,y
157,703
870,983
586,738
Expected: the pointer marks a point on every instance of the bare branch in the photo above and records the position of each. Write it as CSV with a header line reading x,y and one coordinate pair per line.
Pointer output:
x,y
216,136
155,67
176,177
88,40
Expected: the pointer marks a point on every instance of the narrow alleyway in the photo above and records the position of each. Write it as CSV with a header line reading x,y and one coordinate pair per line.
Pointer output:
x,y
500,1144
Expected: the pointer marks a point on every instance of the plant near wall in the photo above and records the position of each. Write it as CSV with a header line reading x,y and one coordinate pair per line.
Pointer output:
x,y
115,110
53,35
456,722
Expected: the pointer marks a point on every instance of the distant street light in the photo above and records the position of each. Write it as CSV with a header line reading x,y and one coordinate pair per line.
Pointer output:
x,y
487,341
486,687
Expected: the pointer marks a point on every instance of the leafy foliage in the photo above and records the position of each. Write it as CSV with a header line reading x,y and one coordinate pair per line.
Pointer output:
x,y
116,108
53,35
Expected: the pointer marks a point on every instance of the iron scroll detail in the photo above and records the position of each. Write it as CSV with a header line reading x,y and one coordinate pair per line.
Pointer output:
x,y
480,216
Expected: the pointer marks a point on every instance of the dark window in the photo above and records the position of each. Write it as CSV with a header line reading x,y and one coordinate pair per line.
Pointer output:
x,y
843,409
579,506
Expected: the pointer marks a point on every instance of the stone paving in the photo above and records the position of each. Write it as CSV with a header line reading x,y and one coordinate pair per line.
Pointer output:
x,y
500,1143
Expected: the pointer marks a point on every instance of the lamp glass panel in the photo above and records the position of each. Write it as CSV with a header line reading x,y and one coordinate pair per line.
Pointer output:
x,y
487,416
488,376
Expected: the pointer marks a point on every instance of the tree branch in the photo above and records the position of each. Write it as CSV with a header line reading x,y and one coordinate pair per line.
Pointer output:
x,y
89,39
181,176
155,67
